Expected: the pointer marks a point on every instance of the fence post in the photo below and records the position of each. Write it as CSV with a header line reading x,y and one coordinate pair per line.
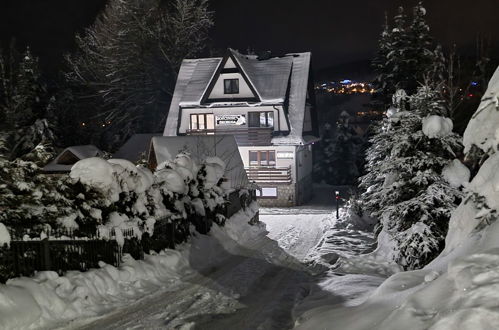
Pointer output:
x,y
46,262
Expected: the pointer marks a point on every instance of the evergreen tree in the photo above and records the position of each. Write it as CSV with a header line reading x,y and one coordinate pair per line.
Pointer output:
x,y
407,56
411,198
341,154
25,104
126,64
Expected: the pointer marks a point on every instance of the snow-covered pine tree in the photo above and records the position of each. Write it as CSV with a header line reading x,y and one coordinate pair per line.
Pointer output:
x,y
406,56
341,155
415,202
24,104
126,64
380,67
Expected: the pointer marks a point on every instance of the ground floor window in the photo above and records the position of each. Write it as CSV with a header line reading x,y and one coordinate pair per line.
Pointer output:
x,y
262,158
202,121
269,192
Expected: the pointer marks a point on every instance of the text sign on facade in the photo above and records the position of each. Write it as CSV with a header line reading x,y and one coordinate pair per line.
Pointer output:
x,y
285,155
230,120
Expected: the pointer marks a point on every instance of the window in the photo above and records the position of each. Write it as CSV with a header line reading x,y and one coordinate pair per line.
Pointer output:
x,y
202,121
231,86
262,158
261,119
267,192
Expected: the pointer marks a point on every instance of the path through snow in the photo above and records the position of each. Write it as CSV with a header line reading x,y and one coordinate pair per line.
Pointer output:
x,y
255,286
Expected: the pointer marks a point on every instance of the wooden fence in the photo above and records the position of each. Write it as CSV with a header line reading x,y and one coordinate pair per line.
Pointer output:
x,y
64,250
24,258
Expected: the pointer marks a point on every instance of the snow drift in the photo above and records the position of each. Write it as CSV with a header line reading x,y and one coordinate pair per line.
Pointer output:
x,y
460,288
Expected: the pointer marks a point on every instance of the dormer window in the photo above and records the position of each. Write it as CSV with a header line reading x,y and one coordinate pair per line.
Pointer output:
x,y
231,86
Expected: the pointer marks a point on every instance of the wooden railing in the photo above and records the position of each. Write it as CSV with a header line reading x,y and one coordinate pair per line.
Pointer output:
x,y
269,174
244,136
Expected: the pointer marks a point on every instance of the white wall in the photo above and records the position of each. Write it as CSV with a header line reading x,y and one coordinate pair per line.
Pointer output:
x,y
304,161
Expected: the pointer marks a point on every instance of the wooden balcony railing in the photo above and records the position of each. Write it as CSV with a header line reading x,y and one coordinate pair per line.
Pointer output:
x,y
269,174
244,136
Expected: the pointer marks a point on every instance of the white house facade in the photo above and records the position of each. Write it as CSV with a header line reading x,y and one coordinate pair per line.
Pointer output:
x,y
267,104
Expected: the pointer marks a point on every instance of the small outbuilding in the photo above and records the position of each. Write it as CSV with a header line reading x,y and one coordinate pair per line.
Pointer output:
x,y
69,156
135,148
166,148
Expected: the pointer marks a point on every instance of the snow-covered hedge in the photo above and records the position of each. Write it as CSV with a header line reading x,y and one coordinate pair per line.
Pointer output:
x,y
100,194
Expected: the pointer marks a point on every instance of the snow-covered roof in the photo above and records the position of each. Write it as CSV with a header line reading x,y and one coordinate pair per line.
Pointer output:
x,y
166,148
134,147
271,79
79,153
297,99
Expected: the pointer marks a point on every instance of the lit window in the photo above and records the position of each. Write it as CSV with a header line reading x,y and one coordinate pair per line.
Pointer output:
x,y
202,121
261,119
231,86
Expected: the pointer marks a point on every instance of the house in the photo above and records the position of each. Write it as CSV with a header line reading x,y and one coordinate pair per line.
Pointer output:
x,y
267,104
69,156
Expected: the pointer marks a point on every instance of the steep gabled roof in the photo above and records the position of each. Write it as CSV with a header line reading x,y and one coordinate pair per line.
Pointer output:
x,y
297,99
79,153
134,147
272,79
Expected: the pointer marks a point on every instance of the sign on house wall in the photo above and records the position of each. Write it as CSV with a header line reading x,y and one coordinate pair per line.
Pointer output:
x,y
230,120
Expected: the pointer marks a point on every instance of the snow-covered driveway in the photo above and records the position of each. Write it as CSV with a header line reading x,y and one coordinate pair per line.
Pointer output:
x,y
239,282
252,287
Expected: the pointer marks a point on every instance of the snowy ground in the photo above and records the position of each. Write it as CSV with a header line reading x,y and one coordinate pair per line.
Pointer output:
x,y
242,277
253,285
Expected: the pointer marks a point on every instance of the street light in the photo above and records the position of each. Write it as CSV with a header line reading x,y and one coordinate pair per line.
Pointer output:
x,y
337,195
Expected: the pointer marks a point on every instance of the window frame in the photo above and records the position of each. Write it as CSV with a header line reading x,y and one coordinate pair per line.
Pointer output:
x,y
267,160
205,121
231,88
259,115
259,193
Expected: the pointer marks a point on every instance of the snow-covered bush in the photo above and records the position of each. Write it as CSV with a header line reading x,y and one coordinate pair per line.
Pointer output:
x,y
102,194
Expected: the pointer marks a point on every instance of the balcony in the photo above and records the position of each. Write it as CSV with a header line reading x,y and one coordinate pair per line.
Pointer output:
x,y
269,174
244,136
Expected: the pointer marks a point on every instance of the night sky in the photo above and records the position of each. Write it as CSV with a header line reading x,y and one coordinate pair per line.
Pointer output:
x,y
335,31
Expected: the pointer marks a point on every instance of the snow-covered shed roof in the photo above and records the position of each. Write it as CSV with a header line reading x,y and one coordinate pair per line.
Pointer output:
x,y
69,156
134,147
166,148
271,78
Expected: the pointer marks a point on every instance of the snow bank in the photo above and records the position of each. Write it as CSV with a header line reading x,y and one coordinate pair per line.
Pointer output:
x,y
483,128
460,288
47,298
437,126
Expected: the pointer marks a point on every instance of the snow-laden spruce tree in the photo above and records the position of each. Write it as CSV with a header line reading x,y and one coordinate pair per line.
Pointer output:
x,y
406,55
340,153
414,200
24,104
126,63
